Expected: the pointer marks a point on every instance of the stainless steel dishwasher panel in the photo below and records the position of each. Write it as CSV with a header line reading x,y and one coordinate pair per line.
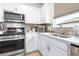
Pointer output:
x,y
74,50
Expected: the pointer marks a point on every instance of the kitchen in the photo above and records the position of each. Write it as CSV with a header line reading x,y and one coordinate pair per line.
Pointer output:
x,y
35,29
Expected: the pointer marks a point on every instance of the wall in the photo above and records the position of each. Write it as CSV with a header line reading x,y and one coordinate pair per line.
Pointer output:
x,y
61,9
65,18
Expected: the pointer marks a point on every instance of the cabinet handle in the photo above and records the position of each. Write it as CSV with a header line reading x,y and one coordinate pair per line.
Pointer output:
x,y
48,47
2,17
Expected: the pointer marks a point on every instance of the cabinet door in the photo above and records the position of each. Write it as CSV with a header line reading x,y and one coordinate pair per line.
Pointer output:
x,y
32,14
39,42
58,48
55,51
59,52
31,44
10,7
21,9
43,14
51,47
52,52
47,13
41,45
45,46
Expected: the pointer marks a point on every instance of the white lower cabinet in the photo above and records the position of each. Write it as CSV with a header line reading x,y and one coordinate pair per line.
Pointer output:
x,y
47,47
31,44
59,52
39,43
43,46
55,51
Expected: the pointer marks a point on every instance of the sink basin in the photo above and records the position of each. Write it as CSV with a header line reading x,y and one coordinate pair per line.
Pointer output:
x,y
54,34
59,35
65,36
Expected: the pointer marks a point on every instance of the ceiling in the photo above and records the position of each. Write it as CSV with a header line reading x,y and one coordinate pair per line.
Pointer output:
x,y
35,4
61,9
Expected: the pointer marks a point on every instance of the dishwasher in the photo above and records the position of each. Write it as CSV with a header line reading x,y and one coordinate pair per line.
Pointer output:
x,y
74,50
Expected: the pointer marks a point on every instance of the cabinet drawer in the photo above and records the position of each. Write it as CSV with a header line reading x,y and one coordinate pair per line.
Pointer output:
x,y
60,44
59,52
57,42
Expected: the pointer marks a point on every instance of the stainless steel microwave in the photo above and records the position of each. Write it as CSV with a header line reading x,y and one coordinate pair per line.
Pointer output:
x,y
11,16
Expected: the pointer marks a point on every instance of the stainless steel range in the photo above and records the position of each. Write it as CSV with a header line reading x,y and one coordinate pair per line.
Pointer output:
x,y
12,37
12,45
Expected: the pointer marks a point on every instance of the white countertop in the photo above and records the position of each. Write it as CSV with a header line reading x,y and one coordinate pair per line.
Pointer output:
x,y
71,40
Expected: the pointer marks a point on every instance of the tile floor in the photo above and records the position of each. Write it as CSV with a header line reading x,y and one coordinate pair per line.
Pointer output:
x,y
35,53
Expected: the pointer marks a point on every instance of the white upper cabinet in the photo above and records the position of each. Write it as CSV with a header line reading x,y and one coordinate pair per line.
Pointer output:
x,y
19,8
13,7
47,13
32,14
43,14
10,7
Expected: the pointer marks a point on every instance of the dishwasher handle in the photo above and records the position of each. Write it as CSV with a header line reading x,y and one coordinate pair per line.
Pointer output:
x,y
75,45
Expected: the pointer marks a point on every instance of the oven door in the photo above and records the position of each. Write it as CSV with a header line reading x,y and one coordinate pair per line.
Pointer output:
x,y
11,45
20,44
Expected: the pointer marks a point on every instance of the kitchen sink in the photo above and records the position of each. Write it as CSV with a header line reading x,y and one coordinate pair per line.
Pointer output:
x,y
60,35
65,36
54,34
